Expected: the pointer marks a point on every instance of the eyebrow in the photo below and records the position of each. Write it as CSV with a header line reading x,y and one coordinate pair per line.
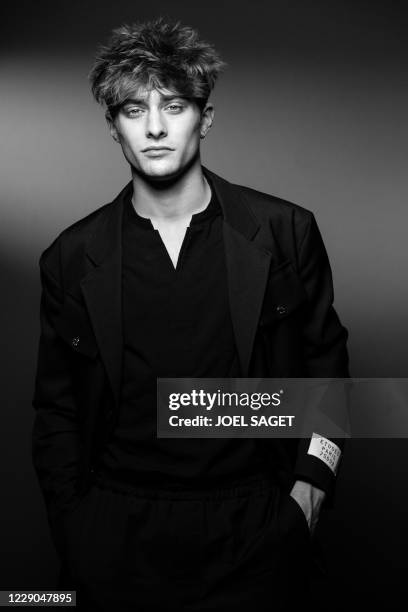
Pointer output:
x,y
164,98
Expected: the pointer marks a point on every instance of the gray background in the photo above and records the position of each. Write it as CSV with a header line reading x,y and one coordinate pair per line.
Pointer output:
x,y
313,109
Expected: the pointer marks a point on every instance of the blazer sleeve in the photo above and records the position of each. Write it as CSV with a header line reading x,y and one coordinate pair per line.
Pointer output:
x,y
55,438
325,349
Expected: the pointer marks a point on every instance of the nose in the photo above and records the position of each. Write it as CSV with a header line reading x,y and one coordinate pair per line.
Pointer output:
x,y
155,125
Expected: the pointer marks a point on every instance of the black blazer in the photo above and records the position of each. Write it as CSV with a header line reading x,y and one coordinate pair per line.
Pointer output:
x,y
281,294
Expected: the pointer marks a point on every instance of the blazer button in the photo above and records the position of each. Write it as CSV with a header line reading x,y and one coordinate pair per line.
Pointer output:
x,y
75,341
281,309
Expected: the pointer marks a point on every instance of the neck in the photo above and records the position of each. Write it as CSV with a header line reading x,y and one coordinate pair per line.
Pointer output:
x,y
171,199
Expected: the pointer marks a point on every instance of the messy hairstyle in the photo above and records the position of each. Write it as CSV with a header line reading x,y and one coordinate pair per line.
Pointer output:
x,y
159,54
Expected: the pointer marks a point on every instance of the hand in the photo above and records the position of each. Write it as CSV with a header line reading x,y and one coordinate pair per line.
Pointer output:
x,y
310,499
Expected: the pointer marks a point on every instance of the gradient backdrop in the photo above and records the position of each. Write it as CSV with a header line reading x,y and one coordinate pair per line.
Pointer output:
x,y
313,109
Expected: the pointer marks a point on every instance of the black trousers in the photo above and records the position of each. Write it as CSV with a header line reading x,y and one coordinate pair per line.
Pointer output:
x,y
245,547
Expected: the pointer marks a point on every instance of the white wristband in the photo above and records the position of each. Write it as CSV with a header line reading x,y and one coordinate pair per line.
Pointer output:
x,y
326,450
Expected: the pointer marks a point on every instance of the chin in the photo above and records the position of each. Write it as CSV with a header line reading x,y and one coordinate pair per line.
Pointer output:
x,y
161,170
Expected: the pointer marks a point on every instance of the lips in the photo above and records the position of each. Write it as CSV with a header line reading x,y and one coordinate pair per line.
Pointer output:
x,y
156,152
156,149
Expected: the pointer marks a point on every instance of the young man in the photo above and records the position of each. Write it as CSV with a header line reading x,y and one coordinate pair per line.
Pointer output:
x,y
184,274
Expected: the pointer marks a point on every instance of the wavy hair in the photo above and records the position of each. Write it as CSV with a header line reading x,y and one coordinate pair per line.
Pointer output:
x,y
161,54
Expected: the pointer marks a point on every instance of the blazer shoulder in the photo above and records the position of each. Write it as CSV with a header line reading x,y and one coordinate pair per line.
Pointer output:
x,y
266,203
282,213
75,235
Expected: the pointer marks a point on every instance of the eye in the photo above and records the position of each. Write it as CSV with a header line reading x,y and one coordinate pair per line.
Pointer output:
x,y
133,112
176,107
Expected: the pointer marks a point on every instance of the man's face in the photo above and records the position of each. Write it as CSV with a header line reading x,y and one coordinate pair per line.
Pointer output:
x,y
159,132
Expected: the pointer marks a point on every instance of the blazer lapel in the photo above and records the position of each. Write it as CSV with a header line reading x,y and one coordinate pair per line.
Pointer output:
x,y
248,265
102,289
247,276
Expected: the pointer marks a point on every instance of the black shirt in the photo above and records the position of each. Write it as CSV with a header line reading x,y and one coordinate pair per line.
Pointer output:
x,y
176,323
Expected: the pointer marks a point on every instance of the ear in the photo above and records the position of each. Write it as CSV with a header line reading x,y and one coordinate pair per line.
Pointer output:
x,y
207,118
112,128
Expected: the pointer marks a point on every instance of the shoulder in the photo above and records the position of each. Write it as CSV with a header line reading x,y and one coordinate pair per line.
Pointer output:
x,y
73,238
281,213
269,204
